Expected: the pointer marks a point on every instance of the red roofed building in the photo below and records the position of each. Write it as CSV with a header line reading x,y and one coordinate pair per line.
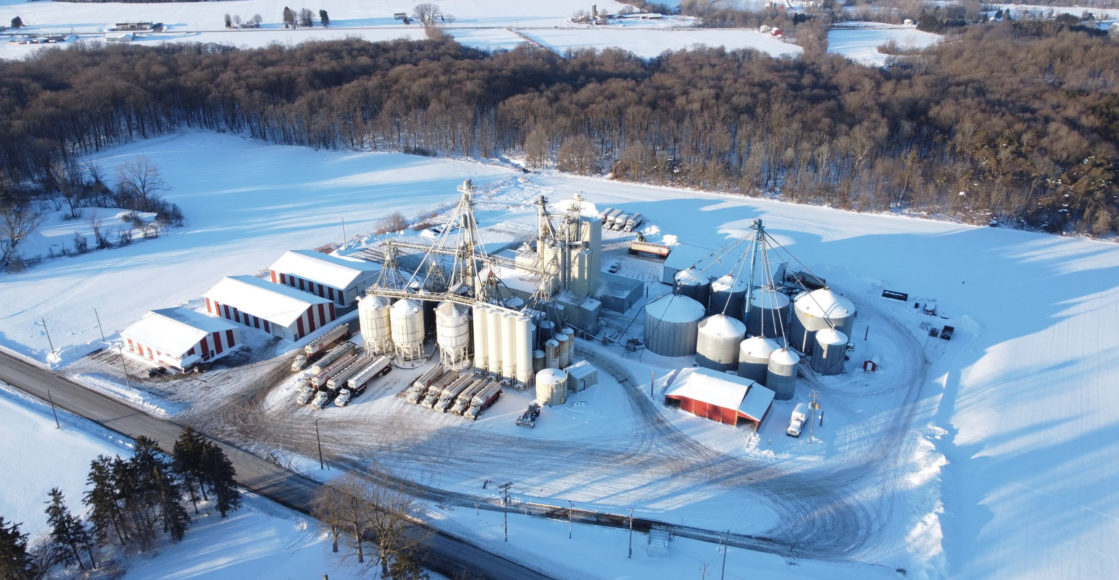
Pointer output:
x,y
719,396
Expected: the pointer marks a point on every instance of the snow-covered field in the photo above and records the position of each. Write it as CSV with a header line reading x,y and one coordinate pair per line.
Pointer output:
x,y
859,41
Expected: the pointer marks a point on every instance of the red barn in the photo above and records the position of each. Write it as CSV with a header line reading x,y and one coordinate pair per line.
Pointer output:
x,y
180,337
278,310
719,396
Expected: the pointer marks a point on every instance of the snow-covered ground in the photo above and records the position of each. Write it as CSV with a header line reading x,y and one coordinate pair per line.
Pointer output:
x,y
859,41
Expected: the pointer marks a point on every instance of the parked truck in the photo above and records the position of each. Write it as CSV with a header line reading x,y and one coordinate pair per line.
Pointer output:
x,y
436,389
320,380
634,221
462,402
450,394
339,378
483,400
608,216
338,333
619,221
656,250
331,356
798,419
361,380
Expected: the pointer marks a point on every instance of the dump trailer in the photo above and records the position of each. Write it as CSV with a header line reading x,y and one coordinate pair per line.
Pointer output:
x,y
447,398
483,400
320,380
436,389
634,221
608,216
338,333
339,378
462,402
334,354
361,380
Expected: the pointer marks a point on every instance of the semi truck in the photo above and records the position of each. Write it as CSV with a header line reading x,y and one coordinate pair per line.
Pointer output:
x,y
361,380
608,216
798,419
462,402
340,332
339,378
634,221
619,221
482,401
658,250
331,356
436,389
447,398
320,379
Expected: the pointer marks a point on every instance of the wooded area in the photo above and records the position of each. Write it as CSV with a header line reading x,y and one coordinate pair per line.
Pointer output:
x,y
1017,121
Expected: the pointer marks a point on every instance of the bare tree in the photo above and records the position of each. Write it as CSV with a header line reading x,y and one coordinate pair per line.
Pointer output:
x,y
427,13
394,222
18,219
66,178
140,180
327,508
391,523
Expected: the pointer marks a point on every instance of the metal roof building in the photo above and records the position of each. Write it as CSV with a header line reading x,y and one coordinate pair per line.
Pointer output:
x,y
339,279
180,337
278,310
719,396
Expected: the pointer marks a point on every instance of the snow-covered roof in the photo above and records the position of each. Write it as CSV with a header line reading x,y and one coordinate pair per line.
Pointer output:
x,y
272,302
722,390
174,330
757,402
581,370
824,303
722,326
336,271
675,308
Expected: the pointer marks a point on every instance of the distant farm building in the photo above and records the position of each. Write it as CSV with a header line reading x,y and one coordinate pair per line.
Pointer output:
x,y
278,310
719,396
180,337
339,279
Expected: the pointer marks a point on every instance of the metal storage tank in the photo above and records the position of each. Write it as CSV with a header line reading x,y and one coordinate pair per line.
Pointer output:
x,y
493,341
551,387
781,374
481,319
831,348
817,310
545,331
753,357
692,284
769,313
564,358
523,371
406,319
672,325
375,323
509,346
538,361
728,296
452,334
551,354
717,342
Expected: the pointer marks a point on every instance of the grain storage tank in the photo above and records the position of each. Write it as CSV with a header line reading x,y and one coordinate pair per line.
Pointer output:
x,y
817,310
769,313
564,358
753,357
728,296
551,354
551,387
493,341
538,361
481,320
452,334
717,342
693,284
509,346
781,374
672,325
831,348
375,323
406,320
545,330
523,350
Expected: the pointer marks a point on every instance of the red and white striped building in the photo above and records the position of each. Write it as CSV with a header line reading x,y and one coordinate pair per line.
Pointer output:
x,y
179,337
337,278
719,396
278,310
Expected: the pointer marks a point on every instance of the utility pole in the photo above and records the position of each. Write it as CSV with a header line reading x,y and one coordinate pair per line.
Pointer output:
x,y
505,504
319,441
123,366
813,405
726,538
570,506
55,413
43,321
630,533
99,327
652,380
343,231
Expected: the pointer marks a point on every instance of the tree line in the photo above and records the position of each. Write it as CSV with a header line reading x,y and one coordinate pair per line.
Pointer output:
x,y
130,503
1013,121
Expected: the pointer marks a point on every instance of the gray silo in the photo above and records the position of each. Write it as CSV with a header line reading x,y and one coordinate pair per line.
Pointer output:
x,y
672,325
545,330
781,374
753,357
769,313
831,348
817,310
693,284
717,342
728,296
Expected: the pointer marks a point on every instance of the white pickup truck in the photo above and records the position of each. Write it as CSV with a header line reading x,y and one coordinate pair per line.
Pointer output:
x,y
797,421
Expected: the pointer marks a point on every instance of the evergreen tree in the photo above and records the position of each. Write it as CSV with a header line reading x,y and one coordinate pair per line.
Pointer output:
x,y
289,18
186,460
15,562
101,499
68,532
171,511
324,18
221,476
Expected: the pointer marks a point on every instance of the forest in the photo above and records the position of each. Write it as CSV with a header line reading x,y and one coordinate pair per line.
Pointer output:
x,y
1010,121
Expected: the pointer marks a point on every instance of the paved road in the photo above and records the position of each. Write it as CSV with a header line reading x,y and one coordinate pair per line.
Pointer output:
x,y
441,552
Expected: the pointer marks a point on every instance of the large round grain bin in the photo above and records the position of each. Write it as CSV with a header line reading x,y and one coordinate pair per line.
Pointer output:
x,y
693,284
538,363
672,325
753,357
564,357
524,372
493,341
817,310
544,332
509,346
768,314
406,320
551,354
551,387
717,342
481,321
374,319
831,348
728,296
452,334
781,374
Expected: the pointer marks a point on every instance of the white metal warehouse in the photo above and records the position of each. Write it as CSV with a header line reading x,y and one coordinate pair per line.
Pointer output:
x,y
180,337
339,279
278,310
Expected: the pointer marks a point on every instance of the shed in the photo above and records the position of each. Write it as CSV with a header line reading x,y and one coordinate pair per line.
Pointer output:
x,y
720,396
278,310
581,375
180,337
339,279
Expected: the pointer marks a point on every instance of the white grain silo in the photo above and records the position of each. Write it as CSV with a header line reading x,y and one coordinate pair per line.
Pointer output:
x,y
831,348
768,315
753,357
375,323
493,341
523,353
693,284
551,387
728,296
509,346
551,354
407,322
781,374
452,334
564,358
672,325
481,320
717,342
817,310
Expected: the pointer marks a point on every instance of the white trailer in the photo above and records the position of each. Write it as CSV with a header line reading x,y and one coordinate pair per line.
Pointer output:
x,y
482,401
359,381
608,216
463,401
340,332
334,354
339,378
323,377
619,221
436,388
798,419
634,221
447,398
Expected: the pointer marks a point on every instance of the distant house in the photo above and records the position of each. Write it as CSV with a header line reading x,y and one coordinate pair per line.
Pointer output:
x,y
179,337
278,310
339,279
